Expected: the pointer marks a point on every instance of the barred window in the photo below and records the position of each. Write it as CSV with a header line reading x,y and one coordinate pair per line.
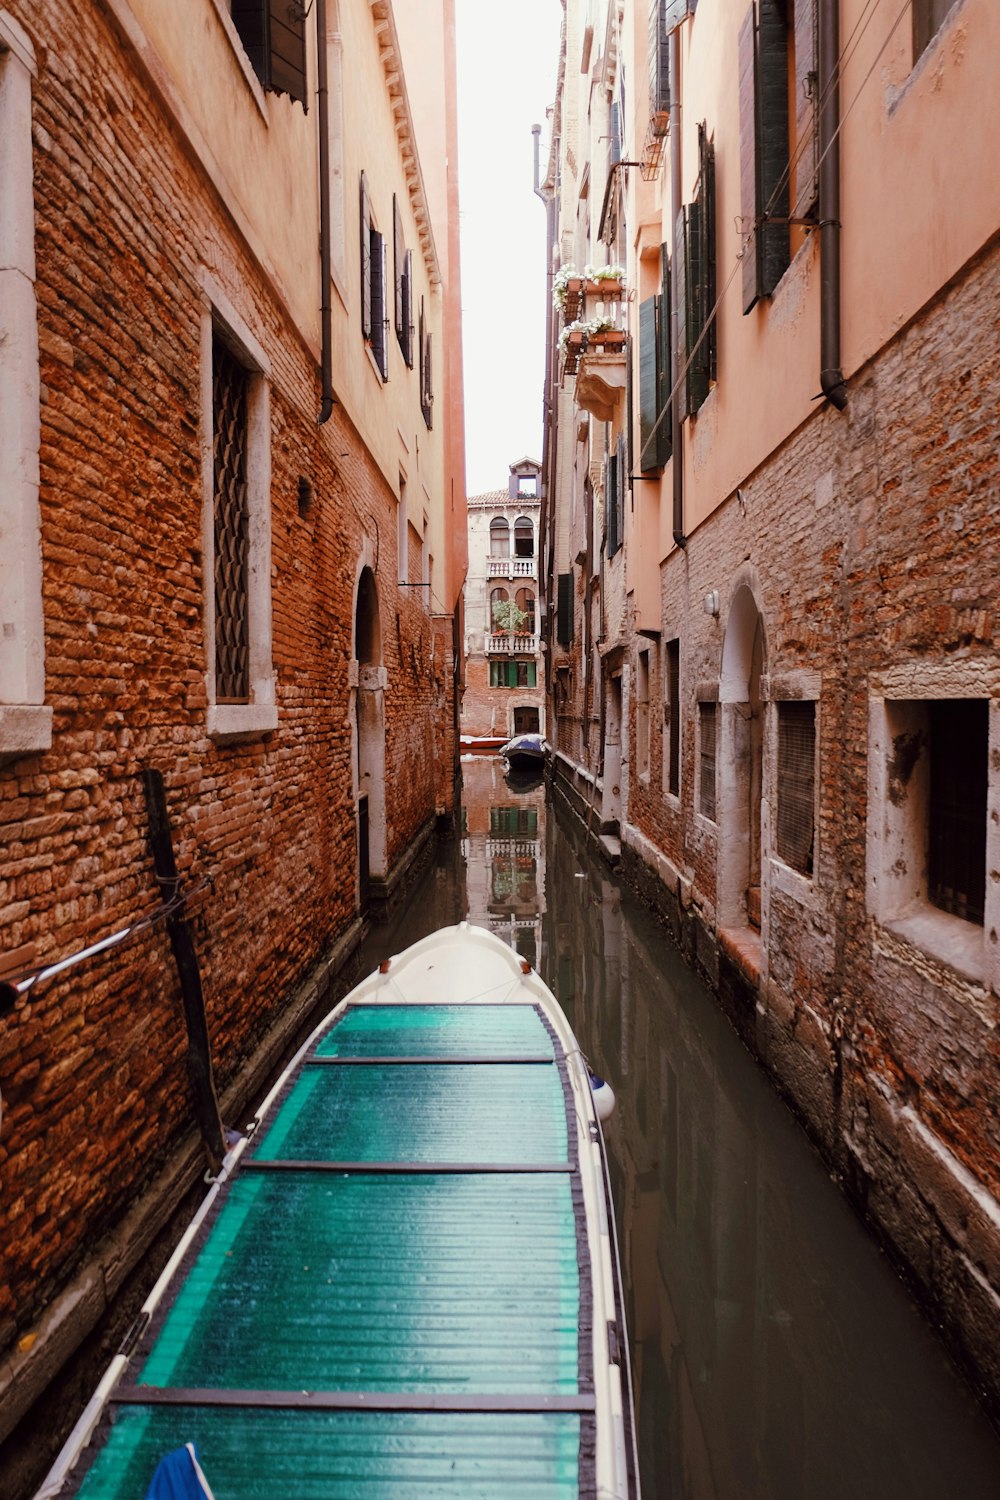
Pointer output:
x,y
957,818
672,719
706,754
796,790
231,520
642,713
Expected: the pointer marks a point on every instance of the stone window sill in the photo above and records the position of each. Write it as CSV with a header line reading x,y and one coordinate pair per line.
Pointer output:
x,y
950,940
230,722
25,729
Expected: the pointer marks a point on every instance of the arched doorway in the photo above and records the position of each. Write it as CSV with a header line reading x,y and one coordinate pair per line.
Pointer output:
x,y
741,763
369,736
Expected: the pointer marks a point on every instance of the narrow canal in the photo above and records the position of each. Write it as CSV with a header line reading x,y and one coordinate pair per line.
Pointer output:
x,y
775,1354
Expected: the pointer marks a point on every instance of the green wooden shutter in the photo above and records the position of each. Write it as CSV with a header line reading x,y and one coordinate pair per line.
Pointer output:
x,y
706,196
806,95
664,362
287,50
379,320
748,158
564,609
772,100
398,264
648,391
680,263
612,504
697,373
407,340
366,260
274,39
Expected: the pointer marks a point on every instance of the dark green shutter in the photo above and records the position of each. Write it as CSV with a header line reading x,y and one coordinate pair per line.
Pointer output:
x,y
378,309
772,139
398,264
665,371
287,50
806,95
697,373
680,263
407,339
648,384
706,198
366,261
274,39
564,609
748,159
611,504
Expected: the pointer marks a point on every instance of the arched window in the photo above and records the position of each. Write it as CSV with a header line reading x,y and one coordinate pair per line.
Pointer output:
x,y
498,597
499,537
524,537
526,604
367,627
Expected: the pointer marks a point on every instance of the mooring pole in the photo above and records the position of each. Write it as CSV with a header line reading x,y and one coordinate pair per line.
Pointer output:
x,y
199,1057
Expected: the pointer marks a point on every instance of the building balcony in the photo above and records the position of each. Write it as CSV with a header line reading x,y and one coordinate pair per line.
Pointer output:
x,y
601,376
581,291
511,643
511,567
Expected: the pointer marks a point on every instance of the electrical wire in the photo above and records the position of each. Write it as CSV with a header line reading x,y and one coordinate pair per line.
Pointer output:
x,y
25,980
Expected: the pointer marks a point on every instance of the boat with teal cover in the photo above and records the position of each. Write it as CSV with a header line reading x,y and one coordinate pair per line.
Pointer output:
x,y
404,1282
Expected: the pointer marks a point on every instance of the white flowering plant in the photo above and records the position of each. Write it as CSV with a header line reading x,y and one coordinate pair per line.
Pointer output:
x,y
589,327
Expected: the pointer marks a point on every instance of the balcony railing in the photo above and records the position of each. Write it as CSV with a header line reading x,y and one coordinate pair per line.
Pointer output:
x,y
511,643
512,567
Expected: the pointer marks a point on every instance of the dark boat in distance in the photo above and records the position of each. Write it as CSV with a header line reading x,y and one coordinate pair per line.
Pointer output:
x,y
525,752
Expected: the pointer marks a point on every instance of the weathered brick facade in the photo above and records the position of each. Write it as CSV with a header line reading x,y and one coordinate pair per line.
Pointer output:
x,y
837,562
265,827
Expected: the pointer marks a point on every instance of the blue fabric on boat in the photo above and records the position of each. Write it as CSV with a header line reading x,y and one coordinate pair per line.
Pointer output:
x,y
178,1476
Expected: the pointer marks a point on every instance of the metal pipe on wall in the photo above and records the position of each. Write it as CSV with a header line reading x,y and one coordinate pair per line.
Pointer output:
x,y
831,377
325,239
676,202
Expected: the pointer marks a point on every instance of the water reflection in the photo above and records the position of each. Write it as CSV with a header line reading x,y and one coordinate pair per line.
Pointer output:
x,y
774,1353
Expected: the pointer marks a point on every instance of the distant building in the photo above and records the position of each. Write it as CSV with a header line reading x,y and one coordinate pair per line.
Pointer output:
x,y
504,693
770,539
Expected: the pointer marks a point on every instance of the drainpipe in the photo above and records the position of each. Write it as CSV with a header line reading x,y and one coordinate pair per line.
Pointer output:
x,y
325,244
676,435
549,428
831,377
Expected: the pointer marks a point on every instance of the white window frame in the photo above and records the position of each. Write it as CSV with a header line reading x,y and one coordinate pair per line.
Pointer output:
x,y
25,721
259,716
906,921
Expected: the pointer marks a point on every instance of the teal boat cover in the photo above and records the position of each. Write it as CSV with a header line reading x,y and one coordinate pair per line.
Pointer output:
x,y
391,1297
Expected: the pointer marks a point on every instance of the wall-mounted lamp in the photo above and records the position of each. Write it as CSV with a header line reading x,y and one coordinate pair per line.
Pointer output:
x,y
711,603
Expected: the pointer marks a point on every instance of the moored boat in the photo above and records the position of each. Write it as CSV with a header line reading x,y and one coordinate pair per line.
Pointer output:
x,y
405,1280
525,751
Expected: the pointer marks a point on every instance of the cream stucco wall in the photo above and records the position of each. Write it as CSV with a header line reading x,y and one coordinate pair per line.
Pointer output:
x,y
261,153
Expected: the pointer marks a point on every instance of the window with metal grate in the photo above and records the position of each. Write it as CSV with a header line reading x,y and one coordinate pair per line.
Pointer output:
x,y
231,522
796,790
707,714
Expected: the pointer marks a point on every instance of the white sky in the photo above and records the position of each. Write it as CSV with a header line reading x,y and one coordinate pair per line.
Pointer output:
x,y
508,55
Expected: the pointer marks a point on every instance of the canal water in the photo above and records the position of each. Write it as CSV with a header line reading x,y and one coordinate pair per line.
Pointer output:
x,y
775,1355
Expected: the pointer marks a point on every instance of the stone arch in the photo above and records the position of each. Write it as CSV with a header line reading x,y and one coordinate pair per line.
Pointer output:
x,y
369,676
741,760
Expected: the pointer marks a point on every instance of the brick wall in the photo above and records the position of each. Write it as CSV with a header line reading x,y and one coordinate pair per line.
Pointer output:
x,y
92,1064
868,542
